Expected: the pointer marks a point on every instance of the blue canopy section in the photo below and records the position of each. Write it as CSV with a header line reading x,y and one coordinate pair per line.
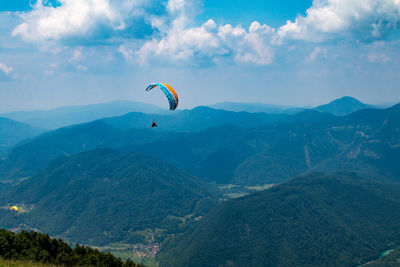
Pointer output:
x,y
168,91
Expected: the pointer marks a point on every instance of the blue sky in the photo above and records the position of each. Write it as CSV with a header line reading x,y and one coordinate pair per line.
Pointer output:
x,y
55,53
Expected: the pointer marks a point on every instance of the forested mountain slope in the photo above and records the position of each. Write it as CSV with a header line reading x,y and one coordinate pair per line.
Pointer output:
x,y
366,141
313,220
104,196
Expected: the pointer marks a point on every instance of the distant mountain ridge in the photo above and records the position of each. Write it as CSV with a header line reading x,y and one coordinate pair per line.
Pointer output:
x,y
256,108
12,132
197,119
68,115
131,131
338,107
314,220
365,141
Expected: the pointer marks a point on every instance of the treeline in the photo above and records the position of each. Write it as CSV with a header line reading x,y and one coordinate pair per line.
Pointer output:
x,y
33,246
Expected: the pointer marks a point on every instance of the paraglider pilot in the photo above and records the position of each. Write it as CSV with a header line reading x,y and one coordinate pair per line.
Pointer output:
x,y
154,124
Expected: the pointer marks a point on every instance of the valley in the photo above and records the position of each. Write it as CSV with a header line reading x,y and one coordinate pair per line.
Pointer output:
x,y
144,195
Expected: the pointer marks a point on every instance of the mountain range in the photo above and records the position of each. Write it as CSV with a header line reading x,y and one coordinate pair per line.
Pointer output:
x,y
255,108
116,180
315,220
365,141
338,107
197,119
68,115
128,131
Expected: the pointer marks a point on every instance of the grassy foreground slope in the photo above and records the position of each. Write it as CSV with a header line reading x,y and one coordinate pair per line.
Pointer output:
x,y
34,247
314,220
19,263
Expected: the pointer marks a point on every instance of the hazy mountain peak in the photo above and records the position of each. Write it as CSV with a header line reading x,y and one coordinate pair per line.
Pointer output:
x,y
347,99
342,106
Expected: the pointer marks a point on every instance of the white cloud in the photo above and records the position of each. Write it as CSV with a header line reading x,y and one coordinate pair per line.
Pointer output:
x,y
207,42
178,39
183,44
6,69
213,43
328,19
249,47
73,17
82,20
318,52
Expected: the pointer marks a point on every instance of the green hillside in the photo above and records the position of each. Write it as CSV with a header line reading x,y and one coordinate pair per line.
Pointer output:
x,y
11,132
365,141
196,119
32,155
27,158
103,196
314,220
32,248
389,258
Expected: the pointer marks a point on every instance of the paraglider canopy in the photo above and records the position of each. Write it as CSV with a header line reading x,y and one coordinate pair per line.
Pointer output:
x,y
14,208
168,91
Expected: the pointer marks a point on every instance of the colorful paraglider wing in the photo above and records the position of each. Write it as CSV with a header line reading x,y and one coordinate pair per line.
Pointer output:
x,y
168,91
14,208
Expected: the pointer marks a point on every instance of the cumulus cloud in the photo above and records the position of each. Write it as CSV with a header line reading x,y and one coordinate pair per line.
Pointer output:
x,y
81,21
142,30
6,69
184,44
207,42
325,20
74,22
328,19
